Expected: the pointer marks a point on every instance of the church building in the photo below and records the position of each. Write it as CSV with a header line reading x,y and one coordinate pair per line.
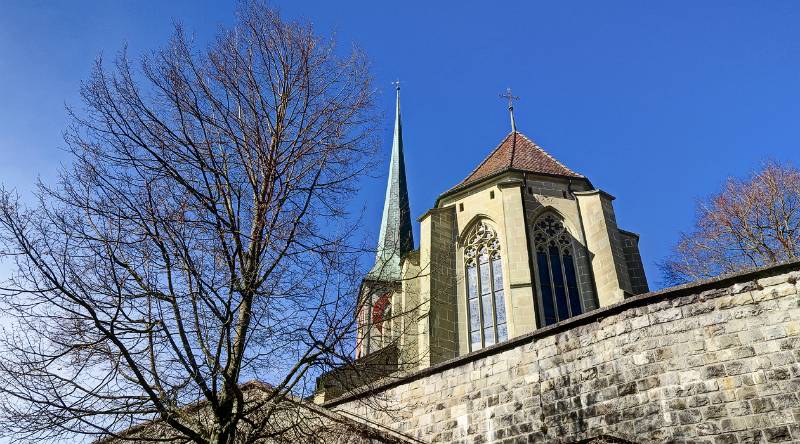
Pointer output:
x,y
522,242
525,316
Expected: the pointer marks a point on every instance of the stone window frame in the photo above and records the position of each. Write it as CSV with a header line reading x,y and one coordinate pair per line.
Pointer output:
x,y
564,241
372,339
473,238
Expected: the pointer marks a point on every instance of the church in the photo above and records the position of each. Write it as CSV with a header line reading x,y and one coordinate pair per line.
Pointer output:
x,y
525,316
522,242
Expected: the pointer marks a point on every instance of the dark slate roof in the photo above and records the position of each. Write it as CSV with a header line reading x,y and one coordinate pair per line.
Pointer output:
x,y
517,152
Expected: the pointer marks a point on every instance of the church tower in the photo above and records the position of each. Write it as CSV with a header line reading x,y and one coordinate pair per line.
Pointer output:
x,y
379,320
396,238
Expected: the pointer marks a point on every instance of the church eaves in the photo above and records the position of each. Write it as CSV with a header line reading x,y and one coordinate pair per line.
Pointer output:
x,y
396,238
517,153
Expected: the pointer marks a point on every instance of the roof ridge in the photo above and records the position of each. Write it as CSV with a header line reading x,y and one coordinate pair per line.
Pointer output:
x,y
549,155
489,156
513,147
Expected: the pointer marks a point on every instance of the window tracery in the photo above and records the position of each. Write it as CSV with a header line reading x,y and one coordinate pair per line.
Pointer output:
x,y
485,297
559,297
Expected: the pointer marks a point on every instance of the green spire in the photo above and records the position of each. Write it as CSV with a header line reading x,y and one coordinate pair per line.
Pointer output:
x,y
396,238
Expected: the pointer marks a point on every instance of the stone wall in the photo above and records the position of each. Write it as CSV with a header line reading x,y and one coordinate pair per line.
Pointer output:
x,y
605,247
710,362
630,248
443,315
518,284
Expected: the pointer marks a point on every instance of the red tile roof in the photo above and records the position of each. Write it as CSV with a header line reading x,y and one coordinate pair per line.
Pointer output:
x,y
518,152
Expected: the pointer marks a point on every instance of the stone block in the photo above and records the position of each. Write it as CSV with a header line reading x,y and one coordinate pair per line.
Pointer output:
x,y
777,434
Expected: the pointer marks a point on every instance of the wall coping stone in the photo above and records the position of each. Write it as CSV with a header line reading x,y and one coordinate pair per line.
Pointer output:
x,y
596,315
602,193
432,211
630,233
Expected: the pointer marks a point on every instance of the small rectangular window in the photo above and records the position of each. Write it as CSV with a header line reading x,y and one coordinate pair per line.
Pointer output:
x,y
502,332
488,336
547,296
461,207
485,288
491,194
472,281
558,284
572,286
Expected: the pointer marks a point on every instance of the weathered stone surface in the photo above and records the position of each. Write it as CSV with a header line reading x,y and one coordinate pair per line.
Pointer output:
x,y
712,365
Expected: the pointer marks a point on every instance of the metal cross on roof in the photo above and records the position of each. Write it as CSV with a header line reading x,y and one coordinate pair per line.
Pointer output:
x,y
511,98
396,84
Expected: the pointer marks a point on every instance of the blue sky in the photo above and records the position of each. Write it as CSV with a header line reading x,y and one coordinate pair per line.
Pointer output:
x,y
656,102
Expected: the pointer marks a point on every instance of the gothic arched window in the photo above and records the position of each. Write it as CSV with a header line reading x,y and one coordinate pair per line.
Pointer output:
x,y
559,297
375,322
382,319
486,308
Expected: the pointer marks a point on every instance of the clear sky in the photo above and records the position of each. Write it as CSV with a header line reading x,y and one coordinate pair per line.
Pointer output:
x,y
656,102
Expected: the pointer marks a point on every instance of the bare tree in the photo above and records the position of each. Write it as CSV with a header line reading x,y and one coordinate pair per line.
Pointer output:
x,y
750,223
199,238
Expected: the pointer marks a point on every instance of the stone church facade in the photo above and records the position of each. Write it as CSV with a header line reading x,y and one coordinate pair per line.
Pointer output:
x,y
525,316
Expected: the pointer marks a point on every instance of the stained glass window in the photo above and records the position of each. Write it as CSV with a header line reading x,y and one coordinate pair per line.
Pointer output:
x,y
559,297
484,278
378,320
382,318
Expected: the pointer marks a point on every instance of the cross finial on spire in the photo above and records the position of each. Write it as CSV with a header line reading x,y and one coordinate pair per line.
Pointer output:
x,y
396,84
511,98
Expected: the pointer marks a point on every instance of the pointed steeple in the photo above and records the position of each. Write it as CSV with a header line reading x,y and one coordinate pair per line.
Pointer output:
x,y
396,237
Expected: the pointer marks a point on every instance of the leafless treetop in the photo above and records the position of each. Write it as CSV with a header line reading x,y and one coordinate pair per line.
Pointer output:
x,y
200,237
750,223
